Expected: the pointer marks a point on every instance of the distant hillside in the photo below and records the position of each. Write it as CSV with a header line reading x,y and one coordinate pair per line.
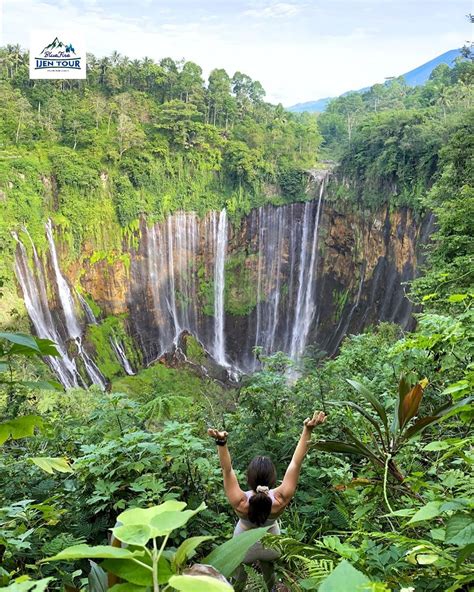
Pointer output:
x,y
413,78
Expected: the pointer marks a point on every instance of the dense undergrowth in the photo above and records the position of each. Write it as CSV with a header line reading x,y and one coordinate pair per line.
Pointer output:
x,y
84,456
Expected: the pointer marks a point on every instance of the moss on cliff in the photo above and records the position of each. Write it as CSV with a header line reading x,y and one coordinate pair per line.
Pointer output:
x,y
194,350
101,336
205,291
240,280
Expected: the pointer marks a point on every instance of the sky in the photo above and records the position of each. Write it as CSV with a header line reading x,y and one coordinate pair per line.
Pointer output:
x,y
299,50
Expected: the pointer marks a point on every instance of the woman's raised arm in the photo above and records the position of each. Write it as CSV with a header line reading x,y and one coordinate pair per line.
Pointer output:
x,y
232,489
288,486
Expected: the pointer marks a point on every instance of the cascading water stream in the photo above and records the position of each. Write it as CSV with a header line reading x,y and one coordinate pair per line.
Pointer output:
x,y
67,303
121,355
68,307
34,294
90,316
306,305
114,342
219,287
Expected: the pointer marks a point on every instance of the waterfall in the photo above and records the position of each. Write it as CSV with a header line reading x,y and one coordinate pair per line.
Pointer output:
x,y
114,342
74,331
121,355
172,287
305,303
65,295
287,255
171,259
90,316
219,285
177,283
33,286
272,224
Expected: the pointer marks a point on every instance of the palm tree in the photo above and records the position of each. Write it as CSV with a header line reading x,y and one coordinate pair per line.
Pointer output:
x,y
115,58
104,66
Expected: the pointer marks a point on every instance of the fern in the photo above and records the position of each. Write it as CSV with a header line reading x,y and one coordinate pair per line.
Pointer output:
x,y
318,569
63,540
301,561
255,581
162,407
339,516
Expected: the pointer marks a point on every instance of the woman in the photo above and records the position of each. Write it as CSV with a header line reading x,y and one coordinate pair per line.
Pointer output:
x,y
263,504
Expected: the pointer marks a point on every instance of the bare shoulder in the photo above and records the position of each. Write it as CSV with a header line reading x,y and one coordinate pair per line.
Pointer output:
x,y
280,500
242,506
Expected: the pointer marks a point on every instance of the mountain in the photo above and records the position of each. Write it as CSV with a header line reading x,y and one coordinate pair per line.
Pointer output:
x,y
54,44
414,77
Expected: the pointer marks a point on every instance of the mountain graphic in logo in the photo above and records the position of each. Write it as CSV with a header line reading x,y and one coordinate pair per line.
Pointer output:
x,y
59,59
58,46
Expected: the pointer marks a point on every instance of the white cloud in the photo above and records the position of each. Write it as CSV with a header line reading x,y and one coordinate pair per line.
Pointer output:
x,y
275,10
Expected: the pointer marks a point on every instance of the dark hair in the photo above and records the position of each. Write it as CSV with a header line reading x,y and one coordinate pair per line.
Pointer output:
x,y
261,471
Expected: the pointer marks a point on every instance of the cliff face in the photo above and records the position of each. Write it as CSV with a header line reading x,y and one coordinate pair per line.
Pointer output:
x,y
369,259
281,279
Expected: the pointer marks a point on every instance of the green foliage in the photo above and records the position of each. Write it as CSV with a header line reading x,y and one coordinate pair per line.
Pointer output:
x,y
344,578
230,554
240,297
138,565
141,138
102,336
391,141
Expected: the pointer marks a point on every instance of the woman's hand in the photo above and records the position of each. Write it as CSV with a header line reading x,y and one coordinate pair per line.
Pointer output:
x,y
213,433
318,418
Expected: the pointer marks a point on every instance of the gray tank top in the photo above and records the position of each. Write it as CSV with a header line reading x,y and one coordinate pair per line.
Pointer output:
x,y
245,524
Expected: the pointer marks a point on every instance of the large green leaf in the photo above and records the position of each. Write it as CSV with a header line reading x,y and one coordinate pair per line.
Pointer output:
x,y
345,578
428,511
464,554
187,548
133,534
20,427
47,347
45,385
135,516
43,347
199,584
138,574
24,584
165,522
338,446
130,570
127,587
21,339
228,556
97,552
97,579
460,530
364,391
52,464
